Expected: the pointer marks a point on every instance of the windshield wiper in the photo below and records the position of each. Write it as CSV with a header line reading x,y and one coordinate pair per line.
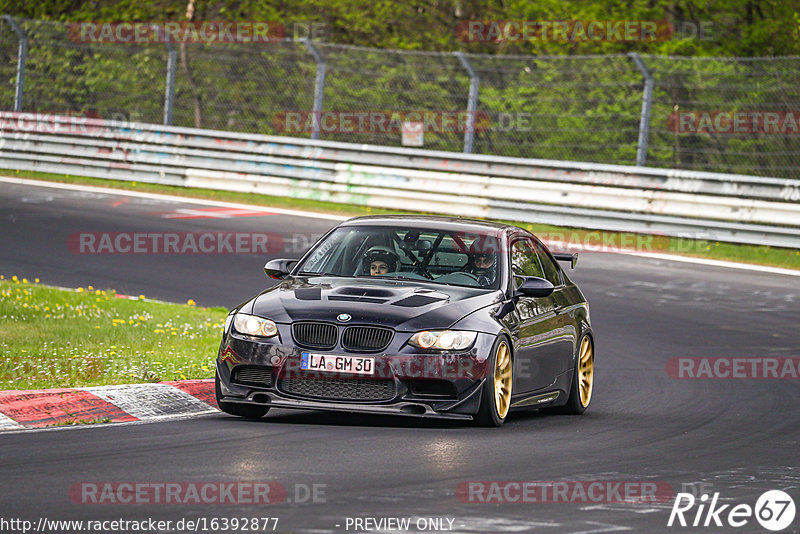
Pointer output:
x,y
309,273
382,277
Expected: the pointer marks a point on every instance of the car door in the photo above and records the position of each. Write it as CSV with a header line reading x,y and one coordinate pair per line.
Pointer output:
x,y
536,347
564,332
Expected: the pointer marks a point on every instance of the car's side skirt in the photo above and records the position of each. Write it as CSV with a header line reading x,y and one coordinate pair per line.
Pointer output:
x,y
543,399
555,394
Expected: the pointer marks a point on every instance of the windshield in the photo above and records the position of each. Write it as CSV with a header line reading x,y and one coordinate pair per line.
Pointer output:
x,y
440,257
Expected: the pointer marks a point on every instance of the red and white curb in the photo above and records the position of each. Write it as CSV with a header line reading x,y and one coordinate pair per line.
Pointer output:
x,y
6,423
124,403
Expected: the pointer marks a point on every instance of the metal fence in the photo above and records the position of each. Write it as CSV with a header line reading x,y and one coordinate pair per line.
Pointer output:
x,y
698,205
607,109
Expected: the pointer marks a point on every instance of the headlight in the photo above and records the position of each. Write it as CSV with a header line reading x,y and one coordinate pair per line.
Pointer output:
x,y
443,339
254,326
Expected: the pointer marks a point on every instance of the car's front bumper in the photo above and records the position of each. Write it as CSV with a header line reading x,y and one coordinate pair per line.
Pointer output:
x,y
411,383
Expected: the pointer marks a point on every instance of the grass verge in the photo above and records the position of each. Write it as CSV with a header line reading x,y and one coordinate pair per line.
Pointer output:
x,y
52,337
581,239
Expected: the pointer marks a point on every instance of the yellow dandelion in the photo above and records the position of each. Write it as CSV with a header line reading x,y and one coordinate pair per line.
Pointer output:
x,y
191,302
90,288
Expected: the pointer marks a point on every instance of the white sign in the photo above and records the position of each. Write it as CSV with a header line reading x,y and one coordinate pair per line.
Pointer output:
x,y
412,134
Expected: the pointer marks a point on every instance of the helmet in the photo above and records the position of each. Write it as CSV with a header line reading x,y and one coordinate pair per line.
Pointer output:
x,y
482,261
380,253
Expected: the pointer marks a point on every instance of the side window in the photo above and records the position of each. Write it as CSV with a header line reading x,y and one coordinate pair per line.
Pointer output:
x,y
523,260
551,272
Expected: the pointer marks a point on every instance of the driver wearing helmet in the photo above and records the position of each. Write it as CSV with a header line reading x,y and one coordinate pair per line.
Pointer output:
x,y
482,263
380,260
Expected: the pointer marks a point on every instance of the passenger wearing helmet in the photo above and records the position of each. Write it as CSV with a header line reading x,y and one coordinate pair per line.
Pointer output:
x,y
380,260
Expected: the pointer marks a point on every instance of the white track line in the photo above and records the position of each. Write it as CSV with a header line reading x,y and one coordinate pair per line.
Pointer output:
x,y
717,263
297,213
172,198
148,401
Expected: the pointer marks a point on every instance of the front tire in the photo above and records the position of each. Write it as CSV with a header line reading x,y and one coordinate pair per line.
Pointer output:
x,y
247,411
496,391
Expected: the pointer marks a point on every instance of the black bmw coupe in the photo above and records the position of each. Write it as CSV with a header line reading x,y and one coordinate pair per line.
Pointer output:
x,y
412,315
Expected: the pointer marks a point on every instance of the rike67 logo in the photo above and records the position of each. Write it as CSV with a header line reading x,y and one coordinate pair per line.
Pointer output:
x,y
774,510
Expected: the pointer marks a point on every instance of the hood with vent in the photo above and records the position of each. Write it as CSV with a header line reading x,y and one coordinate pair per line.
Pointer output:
x,y
404,306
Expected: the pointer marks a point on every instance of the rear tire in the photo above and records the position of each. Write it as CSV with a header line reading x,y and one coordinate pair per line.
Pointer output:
x,y
247,411
582,380
496,390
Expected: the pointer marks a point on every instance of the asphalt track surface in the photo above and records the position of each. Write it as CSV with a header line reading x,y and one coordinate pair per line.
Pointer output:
x,y
738,437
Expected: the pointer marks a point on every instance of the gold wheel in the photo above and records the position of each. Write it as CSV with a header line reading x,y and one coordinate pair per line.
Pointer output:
x,y
586,371
502,380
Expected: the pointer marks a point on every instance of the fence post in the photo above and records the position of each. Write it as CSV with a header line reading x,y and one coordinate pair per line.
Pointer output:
x,y
319,87
472,102
22,54
647,100
169,90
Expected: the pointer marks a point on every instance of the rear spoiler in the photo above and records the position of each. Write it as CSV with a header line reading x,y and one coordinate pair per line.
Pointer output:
x,y
565,256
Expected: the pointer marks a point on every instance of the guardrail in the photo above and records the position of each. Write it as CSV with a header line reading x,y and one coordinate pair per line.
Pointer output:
x,y
721,207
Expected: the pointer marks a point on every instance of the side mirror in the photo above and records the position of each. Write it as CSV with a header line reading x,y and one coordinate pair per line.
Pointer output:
x,y
278,269
533,286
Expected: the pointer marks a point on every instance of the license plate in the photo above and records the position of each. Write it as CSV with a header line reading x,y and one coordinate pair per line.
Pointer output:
x,y
333,363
